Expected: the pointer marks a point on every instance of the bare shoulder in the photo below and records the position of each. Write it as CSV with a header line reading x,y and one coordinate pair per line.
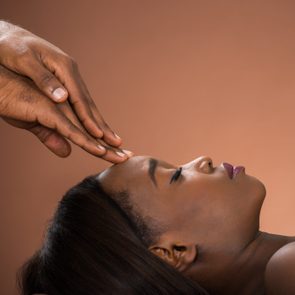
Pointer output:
x,y
280,272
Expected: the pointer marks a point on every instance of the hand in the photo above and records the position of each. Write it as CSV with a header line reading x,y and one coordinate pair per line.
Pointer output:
x,y
23,105
55,74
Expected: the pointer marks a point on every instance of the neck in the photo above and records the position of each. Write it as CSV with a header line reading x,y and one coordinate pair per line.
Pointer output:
x,y
242,273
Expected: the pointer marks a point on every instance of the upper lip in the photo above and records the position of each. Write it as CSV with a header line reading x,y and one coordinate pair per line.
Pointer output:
x,y
229,168
233,171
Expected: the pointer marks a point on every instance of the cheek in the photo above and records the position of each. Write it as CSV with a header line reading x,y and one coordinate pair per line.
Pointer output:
x,y
224,201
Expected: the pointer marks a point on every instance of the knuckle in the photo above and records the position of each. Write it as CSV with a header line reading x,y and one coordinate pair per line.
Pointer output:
x,y
71,63
46,78
105,125
43,134
47,121
86,121
70,127
27,96
24,56
74,133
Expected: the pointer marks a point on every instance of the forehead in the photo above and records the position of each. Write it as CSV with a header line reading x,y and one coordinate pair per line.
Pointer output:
x,y
121,176
132,175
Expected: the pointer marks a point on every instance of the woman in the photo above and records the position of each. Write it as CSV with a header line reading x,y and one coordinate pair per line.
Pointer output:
x,y
148,227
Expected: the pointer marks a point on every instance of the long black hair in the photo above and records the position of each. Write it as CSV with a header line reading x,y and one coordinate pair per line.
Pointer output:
x,y
95,244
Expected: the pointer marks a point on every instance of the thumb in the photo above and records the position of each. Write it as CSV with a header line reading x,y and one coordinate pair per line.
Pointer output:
x,y
45,80
52,140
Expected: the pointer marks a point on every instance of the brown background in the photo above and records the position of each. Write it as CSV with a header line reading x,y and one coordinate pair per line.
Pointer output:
x,y
176,79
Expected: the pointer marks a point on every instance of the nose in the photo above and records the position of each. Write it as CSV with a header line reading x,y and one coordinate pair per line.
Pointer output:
x,y
204,164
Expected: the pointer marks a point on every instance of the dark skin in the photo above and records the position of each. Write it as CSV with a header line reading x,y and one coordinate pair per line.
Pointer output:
x,y
211,224
42,91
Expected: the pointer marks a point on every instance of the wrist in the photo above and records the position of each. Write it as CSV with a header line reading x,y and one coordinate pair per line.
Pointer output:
x,y
5,27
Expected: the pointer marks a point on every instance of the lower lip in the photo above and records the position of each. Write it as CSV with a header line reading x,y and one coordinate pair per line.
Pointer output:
x,y
237,170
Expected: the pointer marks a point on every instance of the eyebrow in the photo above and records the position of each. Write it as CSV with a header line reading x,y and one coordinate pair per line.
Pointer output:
x,y
153,163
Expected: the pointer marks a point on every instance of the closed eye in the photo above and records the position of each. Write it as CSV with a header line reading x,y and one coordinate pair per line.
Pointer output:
x,y
176,175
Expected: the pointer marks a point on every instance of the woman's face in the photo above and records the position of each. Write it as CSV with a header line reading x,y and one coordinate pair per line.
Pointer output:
x,y
203,204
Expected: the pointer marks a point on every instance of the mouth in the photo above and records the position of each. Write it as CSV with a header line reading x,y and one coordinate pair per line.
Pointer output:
x,y
233,171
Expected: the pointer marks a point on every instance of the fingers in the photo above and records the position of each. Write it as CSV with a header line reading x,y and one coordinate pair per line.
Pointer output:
x,y
78,99
67,72
52,140
109,136
113,154
57,76
86,109
46,81
57,121
60,146
54,119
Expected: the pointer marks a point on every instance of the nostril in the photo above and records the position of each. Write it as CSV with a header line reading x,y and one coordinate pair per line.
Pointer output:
x,y
211,167
204,164
210,164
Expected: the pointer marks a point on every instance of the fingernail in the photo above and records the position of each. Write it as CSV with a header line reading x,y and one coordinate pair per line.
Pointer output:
x,y
117,136
100,147
129,153
120,154
59,93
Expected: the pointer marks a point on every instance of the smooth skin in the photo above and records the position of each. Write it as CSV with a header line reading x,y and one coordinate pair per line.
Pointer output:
x,y
210,224
42,91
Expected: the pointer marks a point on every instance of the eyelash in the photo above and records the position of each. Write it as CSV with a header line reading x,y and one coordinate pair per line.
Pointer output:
x,y
176,174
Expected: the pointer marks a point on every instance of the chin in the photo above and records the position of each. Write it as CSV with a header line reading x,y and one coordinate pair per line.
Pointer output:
x,y
253,192
256,193
259,187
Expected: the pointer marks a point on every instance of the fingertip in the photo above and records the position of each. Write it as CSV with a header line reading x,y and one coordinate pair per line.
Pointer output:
x,y
117,136
117,160
128,153
102,150
66,151
59,94
111,139
64,154
61,148
119,142
120,154
99,133
114,144
122,159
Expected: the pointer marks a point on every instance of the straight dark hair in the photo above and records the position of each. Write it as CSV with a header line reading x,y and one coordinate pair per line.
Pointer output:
x,y
95,244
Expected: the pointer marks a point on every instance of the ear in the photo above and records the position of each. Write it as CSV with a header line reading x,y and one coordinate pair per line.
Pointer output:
x,y
180,255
